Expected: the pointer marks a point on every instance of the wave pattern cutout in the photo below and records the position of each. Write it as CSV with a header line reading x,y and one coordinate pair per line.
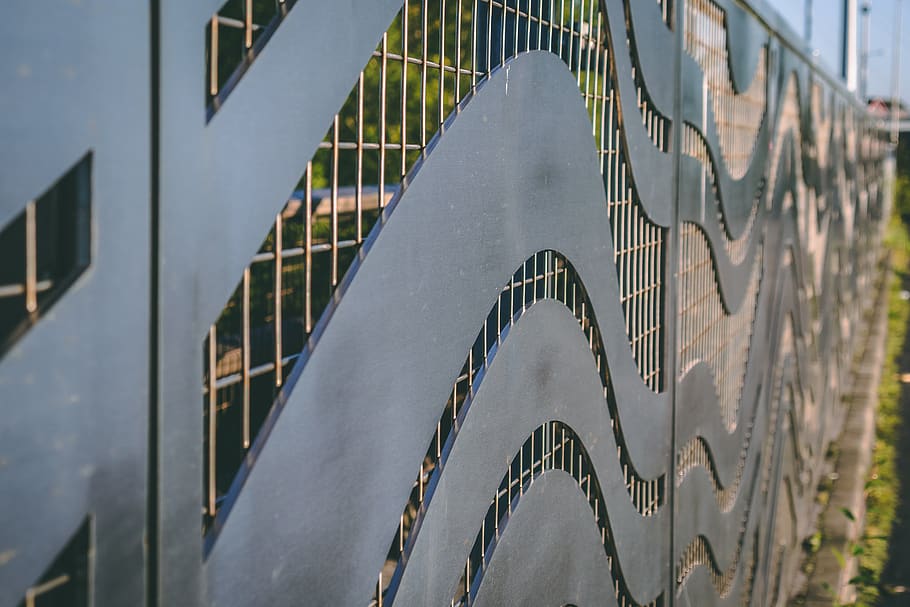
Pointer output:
x,y
430,61
235,36
707,333
656,123
694,145
301,420
738,116
697,453
786,349
787,122
638,243
699,554
552,446
639,252
822,116
546,275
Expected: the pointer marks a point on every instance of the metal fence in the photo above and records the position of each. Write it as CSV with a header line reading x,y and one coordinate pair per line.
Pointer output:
x,y
448,302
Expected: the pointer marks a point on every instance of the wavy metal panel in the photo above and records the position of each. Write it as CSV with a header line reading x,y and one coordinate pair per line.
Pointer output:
x,y
457,301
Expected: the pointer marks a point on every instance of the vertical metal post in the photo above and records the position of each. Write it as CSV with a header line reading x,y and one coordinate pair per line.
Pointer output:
x,y
670,304
213,57
441,116
848,50
308,247
403,166
864,52
383,71
212,421
31,259
358,189
248,24
245,354
154,478
279,261
896,75
334,199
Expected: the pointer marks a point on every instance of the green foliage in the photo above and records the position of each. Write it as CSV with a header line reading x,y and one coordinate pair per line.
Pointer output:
x,y
429,95
882,485
902,197
841,560
814,542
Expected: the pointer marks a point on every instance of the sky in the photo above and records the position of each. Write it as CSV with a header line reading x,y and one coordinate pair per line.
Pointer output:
x,y
827,27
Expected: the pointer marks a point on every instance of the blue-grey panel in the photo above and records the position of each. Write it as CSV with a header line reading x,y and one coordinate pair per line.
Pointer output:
x,y
543,371
377,438
550,552
74,388
222,183
655,45
652,170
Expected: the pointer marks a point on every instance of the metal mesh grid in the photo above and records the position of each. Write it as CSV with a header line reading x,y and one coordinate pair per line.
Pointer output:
x,y
698,554
44,249
785,349
849,124
821,122
638,245
66,580
239,30
788,121
430,60
546,275
696,453
552,446
693,144
875,145
706,332
738,117
234,36
656,124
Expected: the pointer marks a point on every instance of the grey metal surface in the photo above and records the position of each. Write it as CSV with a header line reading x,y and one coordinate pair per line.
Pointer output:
x,y
709,202
573,570
74,387
543,371
655,184
544,167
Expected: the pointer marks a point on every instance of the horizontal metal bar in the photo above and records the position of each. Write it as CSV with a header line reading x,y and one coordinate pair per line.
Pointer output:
x,y
19,289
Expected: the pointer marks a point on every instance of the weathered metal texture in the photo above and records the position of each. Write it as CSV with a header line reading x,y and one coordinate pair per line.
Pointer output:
x,y
608,332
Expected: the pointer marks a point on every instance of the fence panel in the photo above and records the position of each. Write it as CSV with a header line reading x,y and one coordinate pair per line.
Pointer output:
x,y
423,302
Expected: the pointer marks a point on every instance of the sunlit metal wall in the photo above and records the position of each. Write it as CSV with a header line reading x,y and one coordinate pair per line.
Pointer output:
x,y
444,303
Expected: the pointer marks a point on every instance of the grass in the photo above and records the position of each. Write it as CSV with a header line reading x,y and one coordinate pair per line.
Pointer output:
x,y
883,484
